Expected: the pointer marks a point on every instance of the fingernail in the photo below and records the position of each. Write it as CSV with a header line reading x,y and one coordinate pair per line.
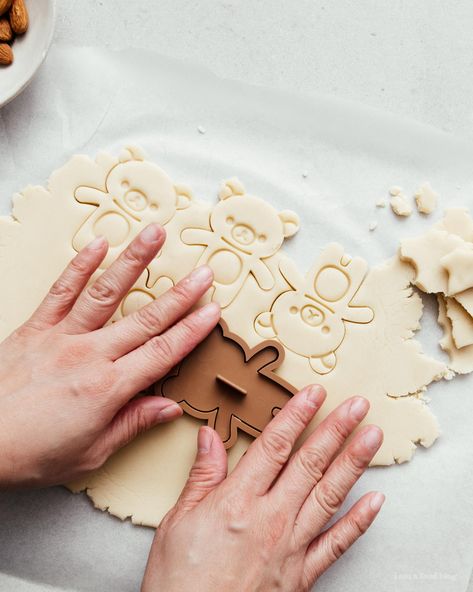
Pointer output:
x,y
376,501
97,243
358,408
209,311
315,395
151,233
204,440
171,411
201,274
372,438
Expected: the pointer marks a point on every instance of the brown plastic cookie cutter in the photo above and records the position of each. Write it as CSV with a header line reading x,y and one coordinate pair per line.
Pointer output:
x,y
230,385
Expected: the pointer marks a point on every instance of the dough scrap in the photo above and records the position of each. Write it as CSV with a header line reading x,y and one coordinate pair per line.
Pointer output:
x,y
466,300
426,199
457,221
425,254
443,260
461,322
373,318
459,266
400,205
461,360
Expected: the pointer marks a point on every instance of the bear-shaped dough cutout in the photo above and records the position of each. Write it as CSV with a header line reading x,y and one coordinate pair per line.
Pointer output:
x,y
309,319
137,193
244,231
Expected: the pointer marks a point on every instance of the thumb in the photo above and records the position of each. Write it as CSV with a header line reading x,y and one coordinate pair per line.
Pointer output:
x,y
136,417
208,471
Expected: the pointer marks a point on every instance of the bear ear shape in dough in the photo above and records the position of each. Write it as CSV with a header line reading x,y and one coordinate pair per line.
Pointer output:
x,y
231,187
183,197
264,326
131,153
290,222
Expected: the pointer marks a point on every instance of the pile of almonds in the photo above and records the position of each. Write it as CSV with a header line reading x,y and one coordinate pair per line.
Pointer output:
x,y
13,22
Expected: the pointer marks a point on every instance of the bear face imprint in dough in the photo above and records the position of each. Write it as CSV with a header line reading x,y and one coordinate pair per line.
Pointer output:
x,y
137,193
244,231
310,319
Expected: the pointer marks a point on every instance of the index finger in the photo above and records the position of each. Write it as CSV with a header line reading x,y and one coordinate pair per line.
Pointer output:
x,y
268,454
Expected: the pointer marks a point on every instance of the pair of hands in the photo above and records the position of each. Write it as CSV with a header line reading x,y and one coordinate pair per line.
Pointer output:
x,y
67,388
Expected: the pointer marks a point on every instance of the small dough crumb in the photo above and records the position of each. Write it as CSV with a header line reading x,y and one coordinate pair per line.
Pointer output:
x,y
305,174
395,190
426,199
400,206
381,203
373,225
426,253
201,129
449,375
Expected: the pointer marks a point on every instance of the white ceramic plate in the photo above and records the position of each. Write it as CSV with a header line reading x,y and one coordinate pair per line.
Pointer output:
x,y
30,50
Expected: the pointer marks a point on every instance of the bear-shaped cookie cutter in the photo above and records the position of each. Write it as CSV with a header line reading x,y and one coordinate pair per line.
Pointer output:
x,y
244,231
310,318
136,193
229,385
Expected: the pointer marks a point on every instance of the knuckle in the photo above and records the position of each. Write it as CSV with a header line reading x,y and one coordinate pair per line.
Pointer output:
x,y
235,509
99,383
61,290
206,473
132,256
356,525
328,497
276,445
338,431
336,546
181,292
298,417
135,423
161,347
276,529
312,462
103,292
149,317
188,328
72,353
354,464
79,266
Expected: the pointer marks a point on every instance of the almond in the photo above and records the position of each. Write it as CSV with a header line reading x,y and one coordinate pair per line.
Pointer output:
x,y
6,34
6,54
18,17
4,6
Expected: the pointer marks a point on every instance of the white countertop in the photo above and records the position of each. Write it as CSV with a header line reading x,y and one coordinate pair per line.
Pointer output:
x,y
409,58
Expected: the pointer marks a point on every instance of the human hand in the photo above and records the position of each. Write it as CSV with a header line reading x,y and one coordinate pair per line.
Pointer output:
x,y
67,383
260,528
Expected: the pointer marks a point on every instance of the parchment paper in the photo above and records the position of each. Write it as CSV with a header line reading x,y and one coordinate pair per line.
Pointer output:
x,y
85,100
